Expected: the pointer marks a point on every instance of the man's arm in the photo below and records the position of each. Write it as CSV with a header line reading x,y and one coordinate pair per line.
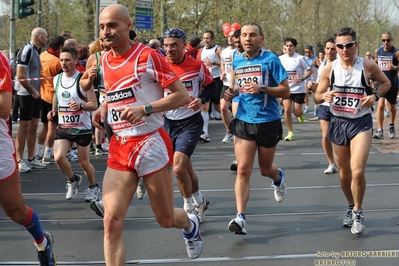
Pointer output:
x,y
91,104
375,71
5,104
21,75
324,83
87,80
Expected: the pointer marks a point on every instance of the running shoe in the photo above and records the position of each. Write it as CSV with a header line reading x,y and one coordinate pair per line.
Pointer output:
x,y
194,241
200,209
290,136
316,112
348,220
233,166
387,113
72,156
92,194
331,169
379,134
305,111
48,160
228,138
22,167
358,223
46,257
92,149
98,207
38,157
141,189
391,131
205,138
237,225
302,118
280,190
35,164
101,151
72,187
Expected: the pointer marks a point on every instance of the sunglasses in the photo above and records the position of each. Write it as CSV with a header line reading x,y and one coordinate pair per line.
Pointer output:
x,y
345,45
385,40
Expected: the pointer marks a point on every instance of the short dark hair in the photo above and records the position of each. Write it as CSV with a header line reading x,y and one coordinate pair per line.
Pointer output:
x,y
331,39
309,47
292,40
70,50
132,34
211,33
56,42
195,41
256,25
237,33
345,32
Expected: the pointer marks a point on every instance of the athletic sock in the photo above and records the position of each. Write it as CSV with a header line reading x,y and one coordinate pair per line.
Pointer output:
x,y
32,225
198,198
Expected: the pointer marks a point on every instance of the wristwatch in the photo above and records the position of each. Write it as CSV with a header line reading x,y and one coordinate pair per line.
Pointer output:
x,y
262,88
203,100
302,78
377,96
81,106
148,110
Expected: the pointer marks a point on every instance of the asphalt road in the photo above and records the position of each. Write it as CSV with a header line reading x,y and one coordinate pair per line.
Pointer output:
x,y
305,229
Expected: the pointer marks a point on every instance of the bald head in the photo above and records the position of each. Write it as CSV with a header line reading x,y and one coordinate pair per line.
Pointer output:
x,y
39,37
71,43
115,24
117,11
154,44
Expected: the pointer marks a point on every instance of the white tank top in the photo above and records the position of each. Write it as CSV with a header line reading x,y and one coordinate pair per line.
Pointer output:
x,y
211,54
350,87
67,89
227,60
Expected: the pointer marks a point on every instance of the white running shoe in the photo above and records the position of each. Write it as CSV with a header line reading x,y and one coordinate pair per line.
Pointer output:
x,y
348,221
72,156
205,138
392,131
72,187
379,134
22,167
35,164
331,169
92,194
141,189
200,209
281,190
358,223
237,225
194,241
228,138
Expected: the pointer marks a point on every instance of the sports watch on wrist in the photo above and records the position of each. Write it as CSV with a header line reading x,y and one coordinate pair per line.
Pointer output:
x,y
262,88
377,96
148,110
81,106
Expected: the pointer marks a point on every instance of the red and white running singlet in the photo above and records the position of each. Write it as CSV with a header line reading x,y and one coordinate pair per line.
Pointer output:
x,y
134,79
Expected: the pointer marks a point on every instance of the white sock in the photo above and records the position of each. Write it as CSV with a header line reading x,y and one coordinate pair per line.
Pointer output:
x,y
205,116
40,150
188,204
48,151
42,246
198,198
190,230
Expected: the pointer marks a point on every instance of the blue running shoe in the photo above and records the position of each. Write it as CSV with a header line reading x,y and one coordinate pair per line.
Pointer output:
x,y
46,257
